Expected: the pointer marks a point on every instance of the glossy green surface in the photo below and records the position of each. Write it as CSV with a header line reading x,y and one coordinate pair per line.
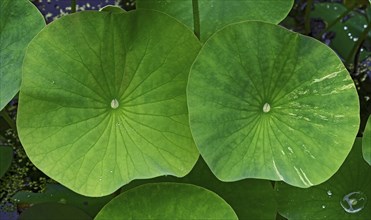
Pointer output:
x,y
95,114
345,196
269,103
167,201
215,14
20,21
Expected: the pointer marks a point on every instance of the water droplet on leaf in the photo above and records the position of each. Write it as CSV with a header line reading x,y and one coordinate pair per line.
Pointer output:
x,y
114,103
323,206
329,193
266,108
354,202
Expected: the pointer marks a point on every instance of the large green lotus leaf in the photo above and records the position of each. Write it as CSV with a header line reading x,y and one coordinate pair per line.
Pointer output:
x,y
167,201
268,103
258,194
345,196
366,142
59,194
215,14
20,21
107,103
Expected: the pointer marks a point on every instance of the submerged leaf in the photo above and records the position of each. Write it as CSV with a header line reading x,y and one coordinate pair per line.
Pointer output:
x,y
346,32
6,158
55,211
60,194
344,196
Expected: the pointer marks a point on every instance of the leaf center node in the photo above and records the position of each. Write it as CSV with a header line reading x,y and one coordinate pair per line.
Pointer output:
x,y
114,103
266,108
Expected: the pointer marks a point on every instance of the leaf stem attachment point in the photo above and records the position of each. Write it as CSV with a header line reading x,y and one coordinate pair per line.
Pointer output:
x,y
114,103
266,108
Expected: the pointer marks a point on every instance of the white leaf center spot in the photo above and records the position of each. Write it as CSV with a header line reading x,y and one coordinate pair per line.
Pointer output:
x,y
114,103
266,108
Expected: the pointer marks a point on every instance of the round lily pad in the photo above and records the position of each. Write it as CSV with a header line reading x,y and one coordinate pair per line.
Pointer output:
x,y
259,194
265,102
366,142
106,104
215,14
20,21
345,196
167,201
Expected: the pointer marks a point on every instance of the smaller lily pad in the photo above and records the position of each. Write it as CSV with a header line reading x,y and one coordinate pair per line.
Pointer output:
x,y
345,196
6,158
366,142
167,201
257,193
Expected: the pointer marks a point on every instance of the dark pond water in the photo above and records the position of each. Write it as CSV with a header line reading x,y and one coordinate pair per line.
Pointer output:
x,y
53,9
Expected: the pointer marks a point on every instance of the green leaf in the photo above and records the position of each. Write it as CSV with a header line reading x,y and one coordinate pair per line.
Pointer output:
x,y
264,103
360,3
215,14
345,196
258,194
366,142
59,194
348,32
20,21
107,103
6,158
55,211
167,201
